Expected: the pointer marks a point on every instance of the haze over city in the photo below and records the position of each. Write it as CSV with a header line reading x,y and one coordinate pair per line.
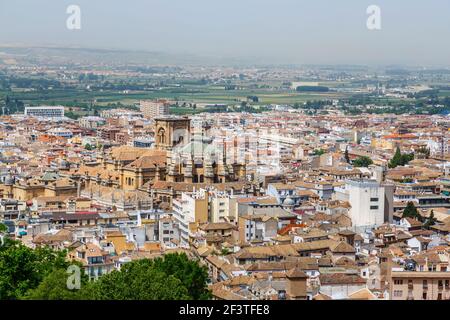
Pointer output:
x,y
263,31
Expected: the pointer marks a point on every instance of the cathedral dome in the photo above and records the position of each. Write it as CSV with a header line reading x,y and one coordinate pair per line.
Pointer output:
x,y
288,201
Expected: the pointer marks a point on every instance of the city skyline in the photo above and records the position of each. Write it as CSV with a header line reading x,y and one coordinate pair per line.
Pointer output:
x,y
252,151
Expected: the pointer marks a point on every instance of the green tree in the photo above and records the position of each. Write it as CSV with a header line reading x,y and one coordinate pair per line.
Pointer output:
x,y
347,157
319,152
411,211
396,160
431,221
363,161
88,147
40,274
54,287
5,241
225,251
406,158
137,280
400,159
22,268
189,272
72,115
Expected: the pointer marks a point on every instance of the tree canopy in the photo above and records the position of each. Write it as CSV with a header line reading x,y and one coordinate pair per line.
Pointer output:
x,y
54,287
431,221
319,152
363,161
346,155
192,276
3,228
400,159
22,268
411,212
173,277
137,280
41,274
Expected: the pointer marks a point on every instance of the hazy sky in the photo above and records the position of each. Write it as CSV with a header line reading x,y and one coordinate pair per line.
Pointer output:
x,y
278,31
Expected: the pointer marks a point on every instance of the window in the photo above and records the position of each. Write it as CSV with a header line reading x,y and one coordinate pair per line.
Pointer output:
x,y
398,282
374,199
373,207
424,296
440,284
439,297
425,284
398,293
447,284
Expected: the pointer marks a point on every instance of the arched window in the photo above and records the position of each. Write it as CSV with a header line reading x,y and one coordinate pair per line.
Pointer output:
x,y
161,136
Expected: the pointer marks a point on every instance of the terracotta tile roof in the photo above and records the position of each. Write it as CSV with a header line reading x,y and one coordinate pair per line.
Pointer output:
x,y
362,294
147,162
342,247
322,296
296,273
340,278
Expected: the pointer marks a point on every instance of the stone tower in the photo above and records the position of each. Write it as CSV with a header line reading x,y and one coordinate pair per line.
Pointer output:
x,y
171,132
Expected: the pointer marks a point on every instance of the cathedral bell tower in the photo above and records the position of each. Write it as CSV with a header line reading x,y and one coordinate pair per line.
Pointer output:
x,y
171,132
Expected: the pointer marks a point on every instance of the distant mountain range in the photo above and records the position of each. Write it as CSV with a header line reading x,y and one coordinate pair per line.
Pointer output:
x,y
55,55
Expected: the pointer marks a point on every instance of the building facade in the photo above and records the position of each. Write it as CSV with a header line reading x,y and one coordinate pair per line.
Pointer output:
x,y
45,111
153,109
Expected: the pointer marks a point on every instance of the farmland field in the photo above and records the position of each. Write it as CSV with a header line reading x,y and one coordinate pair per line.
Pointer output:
x,y
188,94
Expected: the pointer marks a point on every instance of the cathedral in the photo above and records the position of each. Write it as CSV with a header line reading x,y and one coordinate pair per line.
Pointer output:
x,y
179,161
193,158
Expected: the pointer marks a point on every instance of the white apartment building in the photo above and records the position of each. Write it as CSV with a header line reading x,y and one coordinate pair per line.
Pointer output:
x,y
45,111
60,132
257,227
439,147
371,202
203,206
190,210
91,122
169,232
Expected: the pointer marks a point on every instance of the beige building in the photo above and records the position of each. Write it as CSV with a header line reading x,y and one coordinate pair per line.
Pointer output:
x,y
223,207
296,284
420,285
153,109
